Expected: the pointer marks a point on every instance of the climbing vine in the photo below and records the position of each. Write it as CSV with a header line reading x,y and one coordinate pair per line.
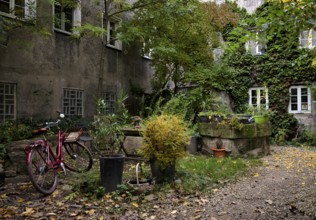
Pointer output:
x,y
284,64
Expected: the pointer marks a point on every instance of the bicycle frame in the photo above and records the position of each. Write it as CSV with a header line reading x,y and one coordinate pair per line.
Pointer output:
x,y
44,161
43,143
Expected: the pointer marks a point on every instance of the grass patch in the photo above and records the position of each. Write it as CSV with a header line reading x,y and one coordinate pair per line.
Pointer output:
x,y
194,173
202,172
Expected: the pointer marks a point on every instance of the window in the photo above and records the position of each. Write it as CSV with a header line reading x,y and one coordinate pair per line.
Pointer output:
x,y
258,97
73,102
18,8
146,52
112,40
300,99
256,47
109,99
308,39
66,18
7,101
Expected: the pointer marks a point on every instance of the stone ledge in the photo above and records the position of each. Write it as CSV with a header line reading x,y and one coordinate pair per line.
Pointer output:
x,y
226,131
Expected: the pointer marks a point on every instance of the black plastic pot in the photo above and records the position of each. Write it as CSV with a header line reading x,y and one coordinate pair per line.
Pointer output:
x,y
204,119
111,168
162,174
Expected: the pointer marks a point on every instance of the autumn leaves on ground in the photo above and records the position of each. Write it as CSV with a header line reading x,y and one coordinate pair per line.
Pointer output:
x,y
282,187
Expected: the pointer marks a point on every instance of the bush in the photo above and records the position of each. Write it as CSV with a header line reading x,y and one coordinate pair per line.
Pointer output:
x,y
13,131
165,139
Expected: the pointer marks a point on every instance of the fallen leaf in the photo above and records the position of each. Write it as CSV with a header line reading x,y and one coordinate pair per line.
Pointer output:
x,y
90,212
28,211
269,201
20,200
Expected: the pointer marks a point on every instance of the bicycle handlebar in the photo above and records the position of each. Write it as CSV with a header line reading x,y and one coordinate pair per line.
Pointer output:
x,y
52,124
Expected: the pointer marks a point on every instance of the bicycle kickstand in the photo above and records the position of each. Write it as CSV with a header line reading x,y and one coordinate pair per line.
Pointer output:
x,y
63,167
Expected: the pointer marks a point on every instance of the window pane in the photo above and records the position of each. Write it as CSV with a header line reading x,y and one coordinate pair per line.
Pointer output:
x,y
304,106
57,17
304,91
68,19
294,91
304,99
294,107
5,6
112,33
19,8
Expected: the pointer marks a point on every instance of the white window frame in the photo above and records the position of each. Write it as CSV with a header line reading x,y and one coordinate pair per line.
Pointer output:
x,y
309,38
299,100
73,105
259,91
29,9
8,101
76,20
117,43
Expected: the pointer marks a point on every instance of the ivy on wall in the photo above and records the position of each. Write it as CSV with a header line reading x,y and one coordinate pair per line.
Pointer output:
x,y
284,64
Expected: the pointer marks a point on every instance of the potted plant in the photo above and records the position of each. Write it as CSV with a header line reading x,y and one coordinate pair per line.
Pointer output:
x,y
260,114
108,136
219,151
164,141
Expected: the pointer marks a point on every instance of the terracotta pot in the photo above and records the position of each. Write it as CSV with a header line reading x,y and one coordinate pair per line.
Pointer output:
x,y
218,152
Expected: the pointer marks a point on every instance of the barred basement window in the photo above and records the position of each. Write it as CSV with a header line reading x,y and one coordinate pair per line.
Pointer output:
x,y
109,99
7,102
73,102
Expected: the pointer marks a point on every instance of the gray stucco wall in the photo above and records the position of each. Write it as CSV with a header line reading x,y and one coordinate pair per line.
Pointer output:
x,y
42,66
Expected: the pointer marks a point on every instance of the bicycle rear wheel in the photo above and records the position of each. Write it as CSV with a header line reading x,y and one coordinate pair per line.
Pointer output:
x,y
77,157
43,177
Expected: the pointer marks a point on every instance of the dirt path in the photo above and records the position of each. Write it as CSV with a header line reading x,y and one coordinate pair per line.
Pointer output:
x,y
284,188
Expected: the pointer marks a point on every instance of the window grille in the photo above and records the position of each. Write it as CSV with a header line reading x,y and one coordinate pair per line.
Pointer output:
x,y
7,101
73,102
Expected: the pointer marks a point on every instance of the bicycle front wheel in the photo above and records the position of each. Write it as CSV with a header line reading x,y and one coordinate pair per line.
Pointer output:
x,y
43,177
77,157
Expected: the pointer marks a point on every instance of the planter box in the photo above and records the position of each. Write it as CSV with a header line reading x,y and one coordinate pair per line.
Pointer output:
x,y
251,138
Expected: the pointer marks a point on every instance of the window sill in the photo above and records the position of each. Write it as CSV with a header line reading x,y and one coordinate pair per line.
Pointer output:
x,y
11,16
147,57
300,112
62,31
113,47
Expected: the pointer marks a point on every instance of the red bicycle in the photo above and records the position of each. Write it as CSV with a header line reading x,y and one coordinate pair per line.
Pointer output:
x,y
43,164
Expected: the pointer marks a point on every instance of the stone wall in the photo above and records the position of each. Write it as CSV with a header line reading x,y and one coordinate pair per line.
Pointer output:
x,y
251,139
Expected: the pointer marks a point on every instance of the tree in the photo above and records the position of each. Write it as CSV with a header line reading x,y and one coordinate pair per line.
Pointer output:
x,y
181,35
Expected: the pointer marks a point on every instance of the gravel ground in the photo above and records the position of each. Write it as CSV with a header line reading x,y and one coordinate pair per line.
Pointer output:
x,y
283,188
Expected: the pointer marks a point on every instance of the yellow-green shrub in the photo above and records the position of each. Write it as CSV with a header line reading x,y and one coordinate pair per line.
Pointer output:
x,y
165,139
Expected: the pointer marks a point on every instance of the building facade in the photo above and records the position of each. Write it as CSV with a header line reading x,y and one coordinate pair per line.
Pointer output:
x,y
50,66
